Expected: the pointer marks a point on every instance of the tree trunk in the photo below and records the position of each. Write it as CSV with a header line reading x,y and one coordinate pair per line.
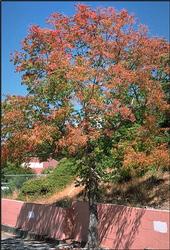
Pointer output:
x,y
93,240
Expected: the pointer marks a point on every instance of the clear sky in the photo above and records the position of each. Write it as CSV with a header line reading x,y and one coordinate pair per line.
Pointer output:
x,y
18,16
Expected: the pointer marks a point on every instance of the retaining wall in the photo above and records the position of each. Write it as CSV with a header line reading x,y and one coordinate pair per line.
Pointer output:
x,y
38,218
120,227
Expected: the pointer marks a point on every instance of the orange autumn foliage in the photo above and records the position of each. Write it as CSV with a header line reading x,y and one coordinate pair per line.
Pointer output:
x,y
137,161
88,75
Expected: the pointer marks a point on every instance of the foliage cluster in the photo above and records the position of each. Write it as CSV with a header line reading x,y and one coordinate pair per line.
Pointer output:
x,y
14,168
14,175
61,176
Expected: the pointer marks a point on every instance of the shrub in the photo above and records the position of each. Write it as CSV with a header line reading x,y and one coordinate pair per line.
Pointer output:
x,y
17,179
13,168
48,170
36,187
61,176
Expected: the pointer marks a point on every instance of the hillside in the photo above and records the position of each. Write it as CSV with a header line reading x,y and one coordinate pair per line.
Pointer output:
x,y
147,191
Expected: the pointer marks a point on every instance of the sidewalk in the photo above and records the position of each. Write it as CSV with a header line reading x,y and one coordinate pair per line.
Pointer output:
x,y
11,242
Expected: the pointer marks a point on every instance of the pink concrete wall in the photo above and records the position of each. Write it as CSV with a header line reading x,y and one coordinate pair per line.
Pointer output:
x,y
10,211
120,227
80,220
46,219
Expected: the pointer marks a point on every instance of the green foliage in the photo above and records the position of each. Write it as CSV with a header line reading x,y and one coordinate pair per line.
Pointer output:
x,y
65,167
48,170
61,176
13,168
37,187
14,176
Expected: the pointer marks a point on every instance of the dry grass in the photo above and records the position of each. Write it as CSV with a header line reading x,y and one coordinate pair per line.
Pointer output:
x,y
70,192
147,191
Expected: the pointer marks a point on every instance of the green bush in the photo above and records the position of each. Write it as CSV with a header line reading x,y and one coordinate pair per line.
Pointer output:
x,y
36,187
48,170
14,175
16,182
61,176
13,168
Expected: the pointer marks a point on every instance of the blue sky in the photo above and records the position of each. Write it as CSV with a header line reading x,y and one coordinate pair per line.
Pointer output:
x,y
18,16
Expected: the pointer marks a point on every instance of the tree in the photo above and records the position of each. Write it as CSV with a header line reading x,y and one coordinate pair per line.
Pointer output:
x,y
93,93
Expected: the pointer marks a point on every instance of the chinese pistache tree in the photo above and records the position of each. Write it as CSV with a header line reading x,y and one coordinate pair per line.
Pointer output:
x,y
95,85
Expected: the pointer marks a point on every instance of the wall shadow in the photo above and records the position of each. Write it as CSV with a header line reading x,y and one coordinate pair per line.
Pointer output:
x,y
80,214
46,220
118,225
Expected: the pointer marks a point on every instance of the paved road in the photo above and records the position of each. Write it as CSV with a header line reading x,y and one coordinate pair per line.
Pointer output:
x,y
10,242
